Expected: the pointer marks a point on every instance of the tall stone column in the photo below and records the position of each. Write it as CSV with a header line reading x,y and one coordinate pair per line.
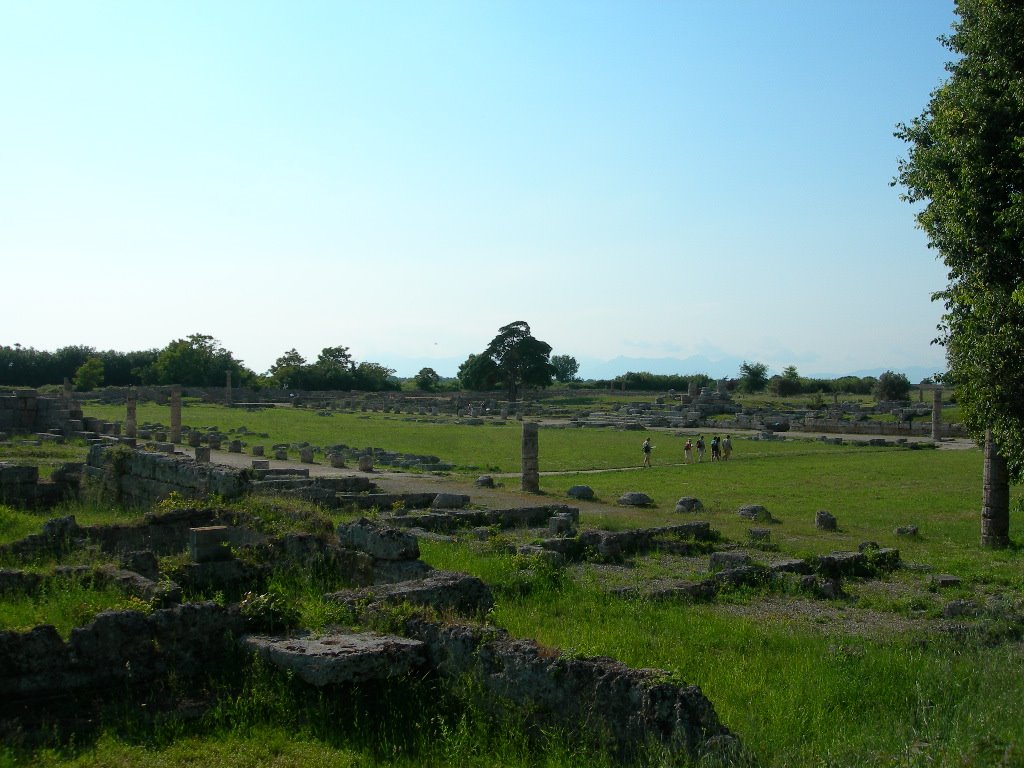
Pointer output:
x,y
176,413
995,505
227,388
531,466
67,391
130,423
937,414
692,389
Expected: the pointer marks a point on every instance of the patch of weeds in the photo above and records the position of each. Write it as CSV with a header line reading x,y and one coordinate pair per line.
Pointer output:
x,y
268,612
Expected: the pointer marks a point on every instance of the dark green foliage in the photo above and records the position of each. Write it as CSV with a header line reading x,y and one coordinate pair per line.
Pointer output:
x,y
514,358
753,377
565,367
89,375
427,379
892,386
198,360
653,382
966,164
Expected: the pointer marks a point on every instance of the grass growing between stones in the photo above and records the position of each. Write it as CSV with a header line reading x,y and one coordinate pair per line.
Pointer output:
x,y
65,603
796,693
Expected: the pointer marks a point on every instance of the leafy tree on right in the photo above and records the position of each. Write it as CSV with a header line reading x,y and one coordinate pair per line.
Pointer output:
x,y
966,164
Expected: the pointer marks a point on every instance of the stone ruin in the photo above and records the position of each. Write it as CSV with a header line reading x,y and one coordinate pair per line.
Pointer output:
x,y
44,678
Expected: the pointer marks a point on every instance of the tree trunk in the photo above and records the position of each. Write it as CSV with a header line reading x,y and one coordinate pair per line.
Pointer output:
x,y
995,505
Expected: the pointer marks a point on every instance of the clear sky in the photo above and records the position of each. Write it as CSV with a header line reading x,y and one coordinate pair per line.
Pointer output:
x,y
643,179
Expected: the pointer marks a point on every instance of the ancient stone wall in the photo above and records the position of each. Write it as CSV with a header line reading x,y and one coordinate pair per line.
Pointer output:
x,y
141,478
24,410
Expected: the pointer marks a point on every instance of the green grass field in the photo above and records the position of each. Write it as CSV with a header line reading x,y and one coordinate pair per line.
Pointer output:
x,y
873,679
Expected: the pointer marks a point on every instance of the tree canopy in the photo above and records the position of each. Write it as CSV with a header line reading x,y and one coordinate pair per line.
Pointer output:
x,y
514,358
965,163
753,377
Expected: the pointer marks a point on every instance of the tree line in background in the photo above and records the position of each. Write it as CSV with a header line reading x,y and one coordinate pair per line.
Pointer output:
x,y
513,361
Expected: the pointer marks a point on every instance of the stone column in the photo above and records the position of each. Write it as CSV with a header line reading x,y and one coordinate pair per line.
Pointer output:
x,y
995,509
692,390
176,413
937,414
227,388
130,423
531,467
723,387
67,391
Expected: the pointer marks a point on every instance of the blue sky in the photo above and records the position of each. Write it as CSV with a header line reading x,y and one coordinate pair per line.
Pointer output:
x,y
689,180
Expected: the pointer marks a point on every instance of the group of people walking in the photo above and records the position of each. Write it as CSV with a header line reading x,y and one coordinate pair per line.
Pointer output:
x,y
721,449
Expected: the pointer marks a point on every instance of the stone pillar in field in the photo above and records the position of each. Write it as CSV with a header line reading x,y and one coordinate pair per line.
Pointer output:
x,y
227,388
67,391
531,466
692,389
130,423
723,386
995,509
176,413
936,414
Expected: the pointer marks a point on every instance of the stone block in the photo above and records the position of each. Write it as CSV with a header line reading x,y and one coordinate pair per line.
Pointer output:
x,y
209,544
203,454
261,463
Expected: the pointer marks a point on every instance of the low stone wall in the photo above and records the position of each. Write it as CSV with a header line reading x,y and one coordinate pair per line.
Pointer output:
x,y
24,410
21,487
116,648
622,710
523,517
141,478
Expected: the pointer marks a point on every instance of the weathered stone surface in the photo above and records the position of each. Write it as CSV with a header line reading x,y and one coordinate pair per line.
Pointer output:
x,y
759,534
689,505
721,560
582,492
755,513
825,521
602,700
838,564
378,541
906,530
790,566
944,580
439,589
484,481
635,499
338,658
450,501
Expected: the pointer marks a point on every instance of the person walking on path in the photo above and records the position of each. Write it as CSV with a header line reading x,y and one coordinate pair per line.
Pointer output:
x,y
716,451
688,452
726,448
700,447
647,452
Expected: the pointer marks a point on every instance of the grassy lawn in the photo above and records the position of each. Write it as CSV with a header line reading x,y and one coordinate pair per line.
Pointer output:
x,y
876,678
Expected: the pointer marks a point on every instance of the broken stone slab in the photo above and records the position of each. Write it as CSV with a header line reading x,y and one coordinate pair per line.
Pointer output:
x,y
379,541
484,481
825,521
635,499
836,564
906,530
755,513
338,658
790,565
689,504
759,534
944,580
450,501
720,561
441,590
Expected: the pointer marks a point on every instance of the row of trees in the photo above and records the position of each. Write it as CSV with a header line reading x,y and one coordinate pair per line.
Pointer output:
x,y
888,386
198,360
